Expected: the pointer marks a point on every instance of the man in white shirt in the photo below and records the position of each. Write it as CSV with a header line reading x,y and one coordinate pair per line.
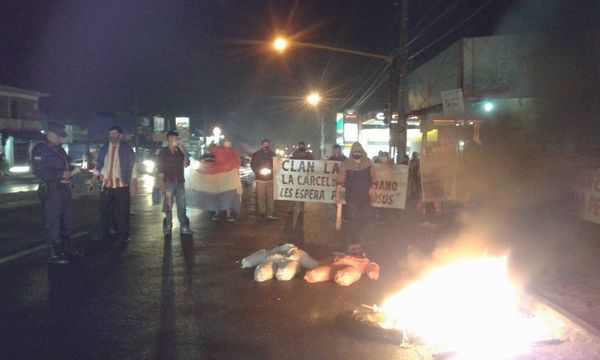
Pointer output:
x,y
116,170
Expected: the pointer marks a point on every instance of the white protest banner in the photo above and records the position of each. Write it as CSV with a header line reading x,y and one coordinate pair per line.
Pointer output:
x,y
392,184
305,180
437,179
587,192
315,181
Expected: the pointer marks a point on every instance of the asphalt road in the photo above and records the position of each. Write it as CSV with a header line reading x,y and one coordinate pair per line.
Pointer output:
x,y
12,184
187,298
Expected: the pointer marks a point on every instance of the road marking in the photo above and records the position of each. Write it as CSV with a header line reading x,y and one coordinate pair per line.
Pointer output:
x,y
35,249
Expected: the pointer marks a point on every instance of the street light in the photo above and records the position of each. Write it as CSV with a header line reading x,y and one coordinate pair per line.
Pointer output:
x,y
217,132
280,44
313,99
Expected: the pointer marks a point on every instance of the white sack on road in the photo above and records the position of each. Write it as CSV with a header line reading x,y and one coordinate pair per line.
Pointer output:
x,y
254,259
265,271
288,270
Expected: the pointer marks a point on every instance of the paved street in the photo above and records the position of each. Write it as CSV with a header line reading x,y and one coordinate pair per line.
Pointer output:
x,y
13,184
186,298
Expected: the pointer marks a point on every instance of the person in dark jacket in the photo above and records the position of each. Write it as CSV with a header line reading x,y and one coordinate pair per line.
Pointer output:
x,y
301,153
357,175
51,165
337,154
262,165
171,162
116,170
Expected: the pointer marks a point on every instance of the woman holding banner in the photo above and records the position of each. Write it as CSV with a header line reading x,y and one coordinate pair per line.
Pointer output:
x,y
357,175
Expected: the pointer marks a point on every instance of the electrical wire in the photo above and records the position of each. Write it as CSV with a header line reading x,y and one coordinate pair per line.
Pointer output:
x,y
435,41
378,82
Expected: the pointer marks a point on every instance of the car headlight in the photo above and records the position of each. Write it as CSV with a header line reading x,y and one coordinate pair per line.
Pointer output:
x,y
149,165
20,169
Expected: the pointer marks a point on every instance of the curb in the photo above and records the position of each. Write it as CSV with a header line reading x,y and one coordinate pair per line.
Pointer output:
x,y
536,300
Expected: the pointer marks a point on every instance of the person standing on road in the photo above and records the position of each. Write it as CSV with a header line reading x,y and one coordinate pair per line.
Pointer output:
x,y
414,176
171,161
2,166
262,165
227,159
357,174
116,170
51,165
301,153
337,154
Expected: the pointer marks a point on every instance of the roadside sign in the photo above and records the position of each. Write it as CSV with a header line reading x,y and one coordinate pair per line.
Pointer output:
x,y
452,101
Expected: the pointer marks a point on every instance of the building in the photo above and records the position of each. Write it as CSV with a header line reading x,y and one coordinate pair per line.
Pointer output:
x,y
21,124
455,94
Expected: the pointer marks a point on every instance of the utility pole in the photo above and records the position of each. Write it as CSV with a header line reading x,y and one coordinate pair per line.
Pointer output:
x,y
398,81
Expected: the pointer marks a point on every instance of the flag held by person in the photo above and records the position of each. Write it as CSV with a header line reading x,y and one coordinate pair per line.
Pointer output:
x,y
215,185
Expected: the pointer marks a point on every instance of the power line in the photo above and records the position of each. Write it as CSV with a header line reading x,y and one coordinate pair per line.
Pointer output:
x,y
444,13
378,81
435,41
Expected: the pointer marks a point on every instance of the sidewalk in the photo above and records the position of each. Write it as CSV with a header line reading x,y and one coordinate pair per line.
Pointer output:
x,y
573,282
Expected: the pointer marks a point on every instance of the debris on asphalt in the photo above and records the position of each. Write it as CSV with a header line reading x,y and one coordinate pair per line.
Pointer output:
x,y
282,262
345,270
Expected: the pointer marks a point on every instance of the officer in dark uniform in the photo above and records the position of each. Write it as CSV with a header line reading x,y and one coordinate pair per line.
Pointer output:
x,y
52,166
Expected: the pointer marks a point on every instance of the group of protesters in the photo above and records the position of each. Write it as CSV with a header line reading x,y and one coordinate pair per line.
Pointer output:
x,y
214,185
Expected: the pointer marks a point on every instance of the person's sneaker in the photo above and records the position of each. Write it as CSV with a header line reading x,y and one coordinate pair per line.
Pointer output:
x,y
55,258
273,217
215,217
230,218
185,230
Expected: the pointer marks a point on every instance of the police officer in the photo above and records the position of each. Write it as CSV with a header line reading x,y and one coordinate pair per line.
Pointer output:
x,y
52,166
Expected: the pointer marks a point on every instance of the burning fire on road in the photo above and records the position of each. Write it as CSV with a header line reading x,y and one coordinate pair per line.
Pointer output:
x,y
468,309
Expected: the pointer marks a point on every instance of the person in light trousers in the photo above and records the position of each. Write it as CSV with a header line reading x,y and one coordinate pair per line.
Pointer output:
x,y
262,165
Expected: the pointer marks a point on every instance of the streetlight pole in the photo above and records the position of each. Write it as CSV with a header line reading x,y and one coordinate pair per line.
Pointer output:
x,y
322,143
314,99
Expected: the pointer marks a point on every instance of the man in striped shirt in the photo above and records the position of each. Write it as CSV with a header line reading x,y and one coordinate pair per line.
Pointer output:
x,y
116,170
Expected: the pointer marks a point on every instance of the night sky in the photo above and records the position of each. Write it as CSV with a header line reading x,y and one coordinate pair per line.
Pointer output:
x,y
194,58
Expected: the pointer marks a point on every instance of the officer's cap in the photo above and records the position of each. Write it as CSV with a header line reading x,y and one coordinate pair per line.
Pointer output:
x,y
57,128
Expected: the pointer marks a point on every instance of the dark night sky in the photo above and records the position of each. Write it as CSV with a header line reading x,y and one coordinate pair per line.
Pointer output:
x,y
189,57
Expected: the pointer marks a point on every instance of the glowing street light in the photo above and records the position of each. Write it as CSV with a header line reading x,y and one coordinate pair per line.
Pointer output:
x,y
217,131
280,44
488,106
313,99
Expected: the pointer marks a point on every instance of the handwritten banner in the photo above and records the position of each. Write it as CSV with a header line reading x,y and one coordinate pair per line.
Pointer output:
x,y
315,181
437,179
392,184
